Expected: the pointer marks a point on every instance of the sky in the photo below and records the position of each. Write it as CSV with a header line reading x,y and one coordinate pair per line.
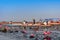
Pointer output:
x,y
19,10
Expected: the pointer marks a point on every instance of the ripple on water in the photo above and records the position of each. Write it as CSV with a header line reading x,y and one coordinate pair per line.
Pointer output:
x,y
19,36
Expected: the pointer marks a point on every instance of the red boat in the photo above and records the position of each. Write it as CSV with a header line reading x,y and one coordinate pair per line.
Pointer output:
x,y
47,38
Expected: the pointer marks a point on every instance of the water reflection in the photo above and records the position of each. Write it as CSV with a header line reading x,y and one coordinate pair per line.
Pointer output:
x,y
29,34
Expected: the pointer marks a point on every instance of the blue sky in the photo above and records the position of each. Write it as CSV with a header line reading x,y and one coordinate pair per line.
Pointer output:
x,y
18,10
